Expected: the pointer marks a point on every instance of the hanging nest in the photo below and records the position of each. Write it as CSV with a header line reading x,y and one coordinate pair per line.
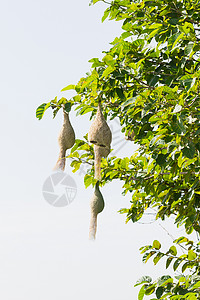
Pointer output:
x,y
66,140
100,133
99,152
130,136
96,205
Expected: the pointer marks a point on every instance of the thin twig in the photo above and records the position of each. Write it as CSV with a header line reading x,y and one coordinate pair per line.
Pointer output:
x,y
106,2
171,236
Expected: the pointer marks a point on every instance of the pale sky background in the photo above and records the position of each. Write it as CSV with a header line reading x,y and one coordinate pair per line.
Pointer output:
x,y
45,253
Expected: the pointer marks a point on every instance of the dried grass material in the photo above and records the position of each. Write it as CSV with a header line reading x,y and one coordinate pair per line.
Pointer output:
x,y
99,132
103,151
99,152
66,140
96,205
130,136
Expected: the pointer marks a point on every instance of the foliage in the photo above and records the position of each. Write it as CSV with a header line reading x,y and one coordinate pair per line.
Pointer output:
x,y
149,80
183,286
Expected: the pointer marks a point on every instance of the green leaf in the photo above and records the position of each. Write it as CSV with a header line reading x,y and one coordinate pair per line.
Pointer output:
x,y
77,144
120,93
69,87
187,77
150,290
179,37
141,293
105,15
153,33
96,62
147,256
161,159
177,263
164,280
129,101
173,250
189,83
189,151
159,292
191,255
178,127
143,279
107,71
185,266
41,109
196,285
125,34
168,261
55,112
85,110
138,42
188,49
181,239
68,107
113,174
157,258
88,179
153,80
76,166
173,21
156,244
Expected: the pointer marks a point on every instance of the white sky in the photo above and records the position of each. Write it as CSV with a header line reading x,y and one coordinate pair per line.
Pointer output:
x,y
44,251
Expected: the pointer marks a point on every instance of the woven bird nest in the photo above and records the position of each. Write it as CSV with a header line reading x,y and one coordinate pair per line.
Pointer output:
x,y
99,132
66,140
96,206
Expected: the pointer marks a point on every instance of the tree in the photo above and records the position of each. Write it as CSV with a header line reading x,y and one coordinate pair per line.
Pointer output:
x,y
149,80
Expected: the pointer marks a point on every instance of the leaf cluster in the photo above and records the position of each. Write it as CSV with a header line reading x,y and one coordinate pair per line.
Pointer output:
x,y
149,81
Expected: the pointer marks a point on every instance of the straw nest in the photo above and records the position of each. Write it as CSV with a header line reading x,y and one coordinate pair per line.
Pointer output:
x,y
96,206
130,136
66,140
99,132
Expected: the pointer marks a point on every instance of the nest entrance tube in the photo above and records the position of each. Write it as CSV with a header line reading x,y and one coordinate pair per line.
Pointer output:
x,y
99,152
